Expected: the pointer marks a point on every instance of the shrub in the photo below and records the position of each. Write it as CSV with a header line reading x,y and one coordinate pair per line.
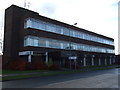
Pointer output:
x,y
54,67
67,65
5,61
39,65
50,62
16,65
28,66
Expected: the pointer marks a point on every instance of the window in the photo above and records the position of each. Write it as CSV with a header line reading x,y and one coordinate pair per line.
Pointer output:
x,y
42,42
45,42
27,41
58,29
71,33
73,46
61,45
27,23
35,42
66,45
46,26
76,34
66,31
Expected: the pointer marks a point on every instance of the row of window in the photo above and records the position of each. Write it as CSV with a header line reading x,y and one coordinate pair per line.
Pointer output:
x,y
52,43
42,25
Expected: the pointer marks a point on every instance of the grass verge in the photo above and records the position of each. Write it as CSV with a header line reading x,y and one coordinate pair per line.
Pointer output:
x,y
36,75
20,72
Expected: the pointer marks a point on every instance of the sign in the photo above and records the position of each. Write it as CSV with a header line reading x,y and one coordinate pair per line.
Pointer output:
x,y
26,53
72,57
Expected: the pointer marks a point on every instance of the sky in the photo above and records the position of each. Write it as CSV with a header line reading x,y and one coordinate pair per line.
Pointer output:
x,y
99,16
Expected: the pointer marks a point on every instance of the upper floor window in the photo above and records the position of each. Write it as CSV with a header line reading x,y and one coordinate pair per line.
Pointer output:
x,y
46,26
52,43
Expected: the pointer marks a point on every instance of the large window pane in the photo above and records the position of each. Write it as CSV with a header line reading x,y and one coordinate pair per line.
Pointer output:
x,y
42,42
66,31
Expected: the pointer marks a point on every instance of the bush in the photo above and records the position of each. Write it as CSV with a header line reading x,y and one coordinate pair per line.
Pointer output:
x,y
28,66
16,65
67,65
54,67
50,62
5,61
39,65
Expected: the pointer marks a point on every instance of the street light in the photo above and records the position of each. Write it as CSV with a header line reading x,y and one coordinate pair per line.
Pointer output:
x,y
70,47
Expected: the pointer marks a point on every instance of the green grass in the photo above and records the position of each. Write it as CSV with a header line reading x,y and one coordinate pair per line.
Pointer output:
x,y
18,71
97,66
36,75
40,75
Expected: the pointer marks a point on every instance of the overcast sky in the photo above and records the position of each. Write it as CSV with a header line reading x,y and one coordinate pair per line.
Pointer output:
x,y
100,16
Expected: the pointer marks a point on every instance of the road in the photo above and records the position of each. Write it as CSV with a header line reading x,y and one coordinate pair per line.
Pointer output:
x,y
91,79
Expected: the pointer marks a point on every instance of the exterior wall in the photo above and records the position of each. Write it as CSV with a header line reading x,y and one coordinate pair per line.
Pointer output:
x,y
13,33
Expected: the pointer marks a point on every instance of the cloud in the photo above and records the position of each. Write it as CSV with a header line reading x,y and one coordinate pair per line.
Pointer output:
x,y
115,4
48,8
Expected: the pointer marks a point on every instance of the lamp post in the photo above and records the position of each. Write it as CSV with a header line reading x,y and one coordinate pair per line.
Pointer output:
x,y
71,48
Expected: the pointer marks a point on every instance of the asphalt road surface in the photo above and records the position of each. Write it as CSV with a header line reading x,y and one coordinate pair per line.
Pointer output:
x,y
91,79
